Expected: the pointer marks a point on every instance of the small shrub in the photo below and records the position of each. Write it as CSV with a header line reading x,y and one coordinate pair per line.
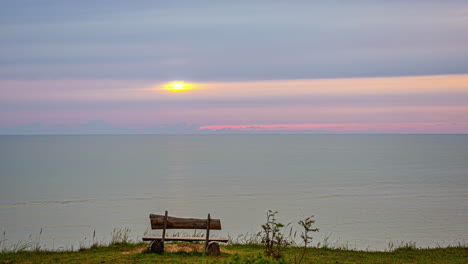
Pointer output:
x,y
273,240
306,238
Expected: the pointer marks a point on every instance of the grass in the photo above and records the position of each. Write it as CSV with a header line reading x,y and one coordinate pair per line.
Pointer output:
x,y
127,252
245,249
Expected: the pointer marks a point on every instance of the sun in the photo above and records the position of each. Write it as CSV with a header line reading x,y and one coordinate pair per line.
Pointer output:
x,y
178,87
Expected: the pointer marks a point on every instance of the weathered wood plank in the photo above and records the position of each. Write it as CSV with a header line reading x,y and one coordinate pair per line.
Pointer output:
x,y
157,222
218,239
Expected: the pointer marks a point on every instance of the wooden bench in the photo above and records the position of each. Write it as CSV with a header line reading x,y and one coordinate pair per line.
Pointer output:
x,y
168,222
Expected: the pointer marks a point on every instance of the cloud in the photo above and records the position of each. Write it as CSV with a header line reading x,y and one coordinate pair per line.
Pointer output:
x,y
343,128
110,90
99,127
210,40
63,65
417,99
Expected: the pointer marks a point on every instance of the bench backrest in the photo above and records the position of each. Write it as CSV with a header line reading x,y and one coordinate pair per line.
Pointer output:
x,y
157,222
168,222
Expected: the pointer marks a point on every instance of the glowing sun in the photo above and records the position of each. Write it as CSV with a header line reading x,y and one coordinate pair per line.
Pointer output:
x,y
178,87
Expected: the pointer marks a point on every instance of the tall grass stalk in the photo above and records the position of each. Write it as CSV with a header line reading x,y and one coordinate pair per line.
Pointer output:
x,y
120,236
400,246
246,239
3,242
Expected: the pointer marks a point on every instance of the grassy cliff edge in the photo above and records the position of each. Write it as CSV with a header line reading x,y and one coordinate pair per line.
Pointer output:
x,y
191,253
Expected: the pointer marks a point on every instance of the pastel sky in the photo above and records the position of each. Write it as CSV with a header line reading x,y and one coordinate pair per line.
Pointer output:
x,y
98,67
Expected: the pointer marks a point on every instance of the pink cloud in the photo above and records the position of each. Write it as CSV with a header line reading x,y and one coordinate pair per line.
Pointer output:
x,y
437,127
391,104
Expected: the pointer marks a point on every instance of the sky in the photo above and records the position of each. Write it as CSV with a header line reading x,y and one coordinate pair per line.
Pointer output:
x,y
99,67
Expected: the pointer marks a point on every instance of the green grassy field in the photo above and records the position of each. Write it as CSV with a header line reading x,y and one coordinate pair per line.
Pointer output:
x,y
136,253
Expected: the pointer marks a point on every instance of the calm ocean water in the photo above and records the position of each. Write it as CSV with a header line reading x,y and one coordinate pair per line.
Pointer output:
x,y
365,190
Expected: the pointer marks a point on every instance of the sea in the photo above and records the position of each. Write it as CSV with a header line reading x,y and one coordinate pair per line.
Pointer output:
x,y
366,192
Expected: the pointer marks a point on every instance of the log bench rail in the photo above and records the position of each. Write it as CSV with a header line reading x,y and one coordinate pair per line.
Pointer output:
x,y
168,222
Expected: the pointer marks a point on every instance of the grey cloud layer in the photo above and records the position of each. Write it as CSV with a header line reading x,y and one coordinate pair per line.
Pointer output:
x,y
428,100
204,40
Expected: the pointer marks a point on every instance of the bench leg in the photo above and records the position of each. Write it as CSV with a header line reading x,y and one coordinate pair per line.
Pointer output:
x,y
156,246
212,249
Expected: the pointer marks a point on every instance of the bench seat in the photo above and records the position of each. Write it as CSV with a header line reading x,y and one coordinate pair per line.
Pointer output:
x,y
191,239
